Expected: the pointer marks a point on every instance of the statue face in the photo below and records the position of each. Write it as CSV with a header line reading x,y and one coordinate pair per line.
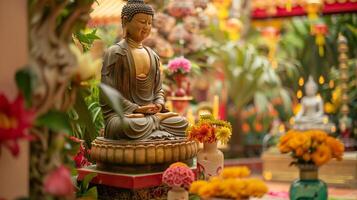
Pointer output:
x,y
139,27
310,90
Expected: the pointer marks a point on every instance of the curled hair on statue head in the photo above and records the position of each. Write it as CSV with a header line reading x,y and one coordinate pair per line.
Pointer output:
x,y
133,7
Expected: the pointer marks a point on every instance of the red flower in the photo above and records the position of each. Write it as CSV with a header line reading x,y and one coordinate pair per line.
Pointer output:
x,y
14,122
59,183
80,159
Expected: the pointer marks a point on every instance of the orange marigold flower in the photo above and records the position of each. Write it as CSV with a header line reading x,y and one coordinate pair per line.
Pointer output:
x,y
196,185
284,148
322,155
245,127
336,146
258,127
319,136
299,152
306,157
298,141
235,172
178,164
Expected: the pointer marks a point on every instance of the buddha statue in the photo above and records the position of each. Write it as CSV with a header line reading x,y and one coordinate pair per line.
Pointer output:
x,y
147,133
311,115
134,70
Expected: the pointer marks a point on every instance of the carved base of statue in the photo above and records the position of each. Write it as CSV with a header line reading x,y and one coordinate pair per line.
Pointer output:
x,y
143,156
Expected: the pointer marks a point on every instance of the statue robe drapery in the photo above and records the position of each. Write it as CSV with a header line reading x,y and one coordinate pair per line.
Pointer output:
x,y
119,72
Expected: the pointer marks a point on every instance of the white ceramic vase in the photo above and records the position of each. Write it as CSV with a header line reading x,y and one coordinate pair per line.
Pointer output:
x,y
177,193
209,161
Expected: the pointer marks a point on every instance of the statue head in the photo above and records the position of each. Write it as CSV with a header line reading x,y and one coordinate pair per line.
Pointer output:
x,y
310,87
136,19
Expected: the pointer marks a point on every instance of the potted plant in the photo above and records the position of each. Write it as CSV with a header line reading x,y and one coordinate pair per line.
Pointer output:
x,y
310,150
179,178
209,131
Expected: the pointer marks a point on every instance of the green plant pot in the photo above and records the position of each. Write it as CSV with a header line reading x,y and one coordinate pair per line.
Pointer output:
x,y
308,186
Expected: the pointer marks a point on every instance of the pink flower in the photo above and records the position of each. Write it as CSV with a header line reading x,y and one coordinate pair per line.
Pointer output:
x,y
58,182
14,122
180,64
181,8
179,176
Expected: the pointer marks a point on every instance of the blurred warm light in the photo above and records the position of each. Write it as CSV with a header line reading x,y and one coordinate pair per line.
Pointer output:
x,y
331,84
190,117
281,128
292,121
267,175
215,107
321,80
301,81
271,35
333,129
297,108
325,120
299,94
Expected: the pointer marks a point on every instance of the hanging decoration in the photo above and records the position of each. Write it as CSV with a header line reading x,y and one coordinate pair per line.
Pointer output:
x,y
232,27
313,8
222,7
320,31
345,121
262,9
271,36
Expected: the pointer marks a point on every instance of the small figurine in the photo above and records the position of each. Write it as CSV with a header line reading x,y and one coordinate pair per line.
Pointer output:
x,y
311,115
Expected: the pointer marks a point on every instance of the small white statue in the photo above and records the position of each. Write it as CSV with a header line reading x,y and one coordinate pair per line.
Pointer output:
x,y
311,115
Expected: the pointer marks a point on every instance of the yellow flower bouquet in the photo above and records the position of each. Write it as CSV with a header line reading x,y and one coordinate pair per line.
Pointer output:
x,y
311,147
210,130
230,184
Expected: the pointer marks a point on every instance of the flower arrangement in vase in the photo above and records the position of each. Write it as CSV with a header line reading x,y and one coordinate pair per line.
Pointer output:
x,y
209,131
179,68
232,183
179,177
310,150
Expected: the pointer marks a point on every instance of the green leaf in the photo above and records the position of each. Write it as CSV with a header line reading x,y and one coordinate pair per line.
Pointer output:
x,y
286,99
261,101
194,197
112,97
85,118
24,83
71,147
86,39
55,120
96,113
87,179
92,193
